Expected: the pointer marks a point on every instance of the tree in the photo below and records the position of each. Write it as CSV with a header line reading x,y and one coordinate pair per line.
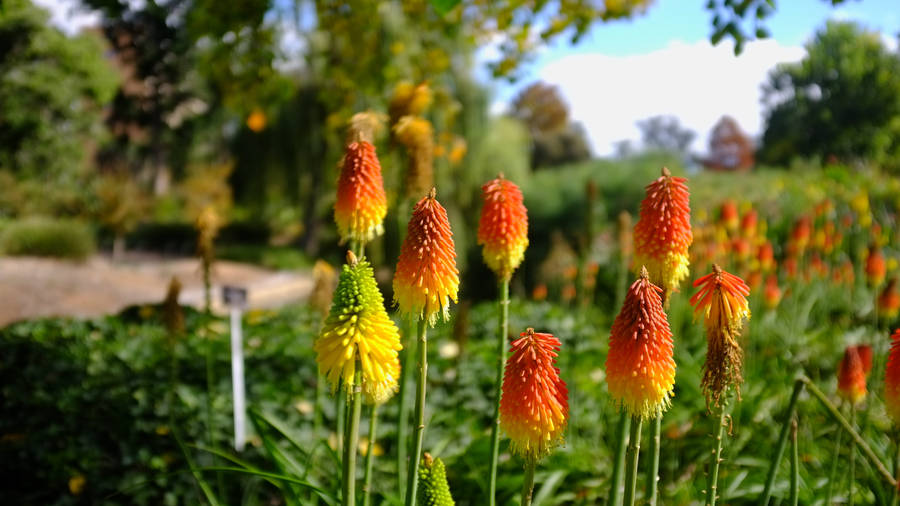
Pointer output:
x,y
729,147
842,100
555,138
665,133
52,92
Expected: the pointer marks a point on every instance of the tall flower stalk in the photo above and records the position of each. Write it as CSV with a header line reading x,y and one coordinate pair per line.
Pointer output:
x,y
503,233
722,300
534,407
892,399
640,368
358,350
662,240
852,373
425,281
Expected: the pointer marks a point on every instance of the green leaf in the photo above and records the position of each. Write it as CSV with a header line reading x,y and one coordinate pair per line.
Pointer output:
x,y
328,498
444,6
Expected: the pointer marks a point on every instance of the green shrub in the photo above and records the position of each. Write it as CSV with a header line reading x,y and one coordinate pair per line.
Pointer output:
x,y
48,237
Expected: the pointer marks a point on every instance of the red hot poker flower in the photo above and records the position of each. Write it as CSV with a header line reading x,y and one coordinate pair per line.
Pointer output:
x,y
361,202
662,236
875,266
426,279
503,228
534,407
722,299
852,373
640,368
892,380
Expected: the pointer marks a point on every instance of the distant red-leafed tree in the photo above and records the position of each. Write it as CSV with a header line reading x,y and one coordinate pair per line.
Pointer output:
x,y
729,147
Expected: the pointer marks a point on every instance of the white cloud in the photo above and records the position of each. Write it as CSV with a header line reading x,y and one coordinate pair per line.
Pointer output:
x,y
697,82
69,15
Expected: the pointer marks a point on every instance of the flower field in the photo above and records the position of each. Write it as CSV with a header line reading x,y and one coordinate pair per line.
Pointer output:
x,y
116,409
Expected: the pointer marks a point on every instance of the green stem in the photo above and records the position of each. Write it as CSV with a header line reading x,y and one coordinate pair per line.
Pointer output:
x,y
634,451
895,495
852,472
621,444
348,497
860,442
403,408
370,455
340,413
412,477
712,486
835,457
653,470
320,400
795,465
528,484
502,334
782,442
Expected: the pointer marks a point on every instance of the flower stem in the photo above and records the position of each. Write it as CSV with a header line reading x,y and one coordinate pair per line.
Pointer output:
x,y
712,485
653,470
621,444
528,484
852,472
348,498
634,451
835,457
502,334
370,455
895,495
854,435
340,414
795,465
782,442
412,477
403,408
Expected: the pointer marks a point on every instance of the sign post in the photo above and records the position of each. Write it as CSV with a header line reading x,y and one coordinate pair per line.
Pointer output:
x,y
236,300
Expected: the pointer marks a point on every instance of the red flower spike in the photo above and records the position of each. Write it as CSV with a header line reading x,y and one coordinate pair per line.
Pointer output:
x,y
426,279
534,407
892,380
503,228
361,202
640,368
852,373
662,236
722,299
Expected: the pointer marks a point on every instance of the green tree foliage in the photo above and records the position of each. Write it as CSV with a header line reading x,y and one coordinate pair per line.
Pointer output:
x,y
52,91
742,20
555,138
841,101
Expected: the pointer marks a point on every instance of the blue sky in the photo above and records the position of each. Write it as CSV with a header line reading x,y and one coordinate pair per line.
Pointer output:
x,y
662,63
658,63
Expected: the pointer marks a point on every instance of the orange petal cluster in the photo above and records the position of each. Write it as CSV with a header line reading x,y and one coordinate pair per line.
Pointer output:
x,y
503,228
361,201
640,368
852,373
875,266
426,279
534,407
722,299
662,236
892,380
889,300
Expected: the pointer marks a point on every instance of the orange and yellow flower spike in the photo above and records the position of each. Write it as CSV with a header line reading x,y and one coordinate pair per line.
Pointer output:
x,y
875,266
534,408
892,380
662,236
361,201
503,228
852,373
426,279
722,299
640,368
358,330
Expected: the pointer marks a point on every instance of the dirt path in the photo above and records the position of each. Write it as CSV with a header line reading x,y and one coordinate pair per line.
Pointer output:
x,y
33,287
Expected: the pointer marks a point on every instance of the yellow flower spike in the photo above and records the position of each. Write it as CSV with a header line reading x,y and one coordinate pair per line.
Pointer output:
x,y
358,328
